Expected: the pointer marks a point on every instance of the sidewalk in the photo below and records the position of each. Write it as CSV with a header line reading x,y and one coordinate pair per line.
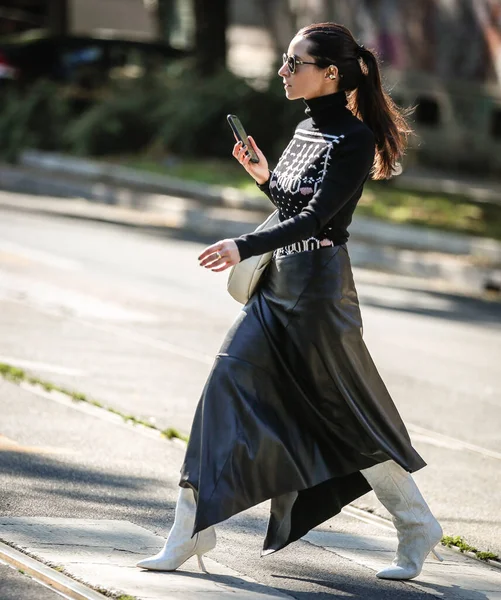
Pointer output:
x,y
79,188
102,555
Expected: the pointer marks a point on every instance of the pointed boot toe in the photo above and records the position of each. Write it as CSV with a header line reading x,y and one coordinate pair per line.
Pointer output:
x,y
171,557
397,573
161,562
152,563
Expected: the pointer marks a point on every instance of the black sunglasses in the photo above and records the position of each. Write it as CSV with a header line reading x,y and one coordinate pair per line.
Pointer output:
x,y
293,61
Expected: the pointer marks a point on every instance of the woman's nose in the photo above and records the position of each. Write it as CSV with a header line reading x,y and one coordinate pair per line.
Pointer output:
x,y
283,71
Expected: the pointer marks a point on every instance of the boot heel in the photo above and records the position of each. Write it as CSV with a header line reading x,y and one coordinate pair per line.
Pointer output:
x,y
201,564
436,555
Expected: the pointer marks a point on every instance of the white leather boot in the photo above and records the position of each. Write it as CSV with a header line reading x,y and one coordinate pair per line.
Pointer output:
x,y
180,546
418,531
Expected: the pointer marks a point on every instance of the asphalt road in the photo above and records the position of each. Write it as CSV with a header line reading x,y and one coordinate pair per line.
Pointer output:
x,y
130,319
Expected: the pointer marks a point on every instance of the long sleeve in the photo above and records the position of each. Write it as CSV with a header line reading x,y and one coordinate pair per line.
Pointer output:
x,y
349,167
265,188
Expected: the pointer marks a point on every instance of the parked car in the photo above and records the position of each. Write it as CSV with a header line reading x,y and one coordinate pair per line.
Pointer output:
x,y
84,66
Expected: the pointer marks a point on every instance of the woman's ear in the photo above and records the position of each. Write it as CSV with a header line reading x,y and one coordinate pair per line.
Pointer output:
x,y
332,72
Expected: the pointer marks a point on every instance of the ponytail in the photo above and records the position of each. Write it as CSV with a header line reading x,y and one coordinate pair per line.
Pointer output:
x,y
370,103
360,78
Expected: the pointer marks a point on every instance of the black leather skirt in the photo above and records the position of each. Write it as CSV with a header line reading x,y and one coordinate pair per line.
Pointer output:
x,y
294,407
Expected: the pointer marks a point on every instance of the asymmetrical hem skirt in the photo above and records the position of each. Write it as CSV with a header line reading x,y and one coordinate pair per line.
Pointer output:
x,y
294,407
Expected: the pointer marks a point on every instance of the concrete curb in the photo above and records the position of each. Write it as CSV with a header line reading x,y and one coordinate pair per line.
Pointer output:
x,y
477,192
117,175
40,572
114,184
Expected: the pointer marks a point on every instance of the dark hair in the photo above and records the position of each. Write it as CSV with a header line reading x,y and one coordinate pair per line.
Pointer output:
x,y
360,76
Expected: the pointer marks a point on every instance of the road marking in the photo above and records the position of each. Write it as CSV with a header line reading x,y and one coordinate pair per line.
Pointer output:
x,y
47,297
8,445
444,441
40,256
146,340
40,366
367,517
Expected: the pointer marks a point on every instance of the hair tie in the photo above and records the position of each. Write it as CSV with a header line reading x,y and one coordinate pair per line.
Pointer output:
x,y
360,49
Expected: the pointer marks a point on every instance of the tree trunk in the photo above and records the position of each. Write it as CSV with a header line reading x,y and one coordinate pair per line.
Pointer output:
x,y
58,17
165,19
211,22
281,20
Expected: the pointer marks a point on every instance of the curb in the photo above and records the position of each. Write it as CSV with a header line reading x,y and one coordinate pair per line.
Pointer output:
x,y
125,186
44,574
491,563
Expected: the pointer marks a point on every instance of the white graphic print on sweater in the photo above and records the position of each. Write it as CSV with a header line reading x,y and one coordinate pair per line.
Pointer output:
x,y
301,169
298,175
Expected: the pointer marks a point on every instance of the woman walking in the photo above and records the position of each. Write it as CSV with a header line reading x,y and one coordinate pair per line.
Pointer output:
x,y
294,409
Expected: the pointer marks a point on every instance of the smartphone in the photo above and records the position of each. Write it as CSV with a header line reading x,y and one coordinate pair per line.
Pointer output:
x,y
239,131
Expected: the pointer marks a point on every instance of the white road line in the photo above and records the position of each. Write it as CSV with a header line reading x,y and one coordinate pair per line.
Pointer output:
x,y
40,366
146,340
444,441
367,517
54,297
40,256
174,349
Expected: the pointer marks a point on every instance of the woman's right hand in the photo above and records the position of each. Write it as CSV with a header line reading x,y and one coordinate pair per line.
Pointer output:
x,y
259,171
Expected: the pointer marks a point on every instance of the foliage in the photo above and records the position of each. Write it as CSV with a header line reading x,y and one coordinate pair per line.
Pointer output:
x,y
183,113
193,114
123,121
32,120
179,112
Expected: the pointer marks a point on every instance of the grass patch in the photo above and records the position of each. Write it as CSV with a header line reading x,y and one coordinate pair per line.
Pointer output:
x,y
463,546
380,200
171,433
12,373
16,375
212,170
447,213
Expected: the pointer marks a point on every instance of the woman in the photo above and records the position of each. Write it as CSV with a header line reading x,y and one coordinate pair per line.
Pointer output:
x,y
294,408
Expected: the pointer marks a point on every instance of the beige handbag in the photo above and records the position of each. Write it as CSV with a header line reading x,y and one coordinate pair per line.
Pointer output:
x,y
245,275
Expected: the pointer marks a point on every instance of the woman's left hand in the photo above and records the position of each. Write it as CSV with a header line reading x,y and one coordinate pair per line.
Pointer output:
x,y
220,256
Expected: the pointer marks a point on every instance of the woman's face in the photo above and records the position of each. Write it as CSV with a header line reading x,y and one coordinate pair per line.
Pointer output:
x,y
309,81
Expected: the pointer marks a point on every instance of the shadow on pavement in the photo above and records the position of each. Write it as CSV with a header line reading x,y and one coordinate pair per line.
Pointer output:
x,y
442,305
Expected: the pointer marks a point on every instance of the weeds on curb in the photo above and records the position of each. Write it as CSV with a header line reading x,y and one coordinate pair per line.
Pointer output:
x,y
16,375
463,546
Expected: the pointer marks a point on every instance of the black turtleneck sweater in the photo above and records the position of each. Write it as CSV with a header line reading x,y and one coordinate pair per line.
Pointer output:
x,y
318,180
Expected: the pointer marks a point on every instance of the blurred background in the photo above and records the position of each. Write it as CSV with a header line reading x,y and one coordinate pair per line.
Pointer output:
x,y
148,83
